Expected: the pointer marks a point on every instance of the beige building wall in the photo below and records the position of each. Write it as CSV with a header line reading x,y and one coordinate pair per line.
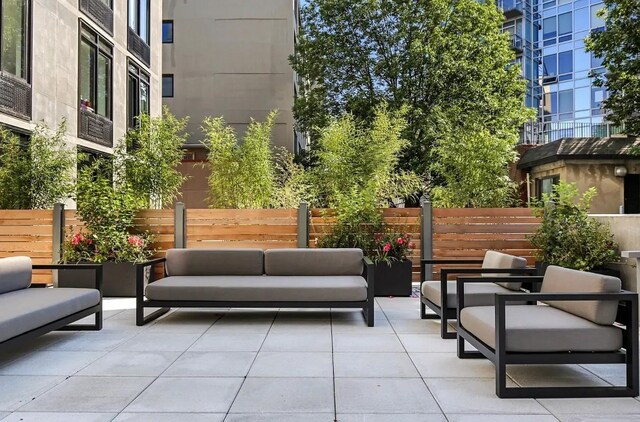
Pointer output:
x,y
588,173
230,58
54,74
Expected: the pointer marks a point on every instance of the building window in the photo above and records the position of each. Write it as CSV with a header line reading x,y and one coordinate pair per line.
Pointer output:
x,y
167,32
139,18
545,185
167,86
95,73
14,25
138,94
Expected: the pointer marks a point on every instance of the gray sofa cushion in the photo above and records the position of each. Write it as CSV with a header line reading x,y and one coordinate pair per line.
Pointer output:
x,y
558,279
475,294
259,288
313,261
27,309
15,273
194,262
494,259
542,328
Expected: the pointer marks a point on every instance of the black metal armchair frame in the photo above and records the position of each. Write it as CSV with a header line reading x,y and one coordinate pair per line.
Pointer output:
x,y
368,305
627,320
445,312
62,324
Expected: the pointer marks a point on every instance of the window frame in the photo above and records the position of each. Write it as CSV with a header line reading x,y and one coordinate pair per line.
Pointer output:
x,y
139,15
555,179
138,75
98,43
173,91
28,54
168,21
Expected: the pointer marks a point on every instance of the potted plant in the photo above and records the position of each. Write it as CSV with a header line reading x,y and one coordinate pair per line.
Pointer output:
x,y
390,255
568,237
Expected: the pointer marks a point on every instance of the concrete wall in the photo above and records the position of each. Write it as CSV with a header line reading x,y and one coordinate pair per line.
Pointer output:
x,y
230,58
55,67
588,173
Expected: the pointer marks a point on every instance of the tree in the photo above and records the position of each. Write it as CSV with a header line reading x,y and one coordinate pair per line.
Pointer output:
x,y
149,158
14,172
441,59
619,47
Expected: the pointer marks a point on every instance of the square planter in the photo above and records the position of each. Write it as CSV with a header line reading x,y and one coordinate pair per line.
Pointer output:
x,y
118,279
394,279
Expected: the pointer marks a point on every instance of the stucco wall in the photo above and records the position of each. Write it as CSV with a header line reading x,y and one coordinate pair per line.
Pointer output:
x,y
626,229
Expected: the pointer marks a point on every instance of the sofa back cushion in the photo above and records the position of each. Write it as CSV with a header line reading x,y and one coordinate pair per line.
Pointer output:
x,y
15,273
202,262
603,312
493,259
313,262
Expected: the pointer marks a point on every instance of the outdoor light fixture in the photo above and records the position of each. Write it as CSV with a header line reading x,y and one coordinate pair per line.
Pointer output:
x,y
620,171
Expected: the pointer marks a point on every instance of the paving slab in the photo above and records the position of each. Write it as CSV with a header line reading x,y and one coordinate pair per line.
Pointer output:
x,y
59,417
281,417
367,343
446,365
45,362
228,342
16,391
499,418
211,364
139,364
292,364
298,342
374,365
594,406
170,417
404,417
159,342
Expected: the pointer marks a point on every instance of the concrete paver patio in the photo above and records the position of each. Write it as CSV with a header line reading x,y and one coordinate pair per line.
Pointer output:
x,y
320,365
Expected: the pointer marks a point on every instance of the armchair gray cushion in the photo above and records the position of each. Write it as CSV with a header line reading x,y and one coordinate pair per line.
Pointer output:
x,y
564,280
313,262
202,262
494,259
15,273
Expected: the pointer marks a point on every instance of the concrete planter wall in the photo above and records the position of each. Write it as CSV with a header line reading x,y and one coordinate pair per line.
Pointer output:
x,y
393,280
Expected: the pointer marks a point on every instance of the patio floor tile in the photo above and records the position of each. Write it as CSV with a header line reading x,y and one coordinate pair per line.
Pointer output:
x,y
404,417
59,417
46,362
138,364
612,373
347,326
297,342
351,342
553,376
446,365
281,417
90,394
500,418
383,395
292,364
427,343
91,341
285,395
15,391
478,397
198,395
159,342
374,365
228,342
594,406
170,417
416,326
599,418
211,364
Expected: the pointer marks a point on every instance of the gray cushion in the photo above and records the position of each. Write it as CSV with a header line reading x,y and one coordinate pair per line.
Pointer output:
x,y
15,273
259,288
494,259
475,294
214,262
558,279
27,309
319,261
542,328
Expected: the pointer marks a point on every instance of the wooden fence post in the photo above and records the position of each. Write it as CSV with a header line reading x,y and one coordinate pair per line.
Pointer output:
x,y
303,225
58,225
180,226
426,236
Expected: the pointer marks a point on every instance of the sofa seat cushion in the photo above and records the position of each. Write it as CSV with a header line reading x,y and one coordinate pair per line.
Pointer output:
x,y
531,328
476,294
24,310
259,288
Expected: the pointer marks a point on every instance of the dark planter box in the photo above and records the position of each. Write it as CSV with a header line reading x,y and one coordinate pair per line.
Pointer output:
x,y
118,279
541,268
394,280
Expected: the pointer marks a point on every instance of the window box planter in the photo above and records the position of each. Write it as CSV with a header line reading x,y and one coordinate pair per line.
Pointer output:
x,y
394,279
118,279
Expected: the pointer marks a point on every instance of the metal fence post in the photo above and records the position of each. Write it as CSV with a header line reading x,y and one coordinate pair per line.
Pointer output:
x,y
303,225
180,226
58,238
426,236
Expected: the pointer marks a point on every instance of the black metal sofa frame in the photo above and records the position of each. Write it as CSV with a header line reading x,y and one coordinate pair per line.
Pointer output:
x,y
449,313
367,306
627,317
62,324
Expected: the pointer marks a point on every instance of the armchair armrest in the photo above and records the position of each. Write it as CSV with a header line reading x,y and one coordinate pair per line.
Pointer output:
x,y
97,269
445,261
369,266
140,267
150,262
460,282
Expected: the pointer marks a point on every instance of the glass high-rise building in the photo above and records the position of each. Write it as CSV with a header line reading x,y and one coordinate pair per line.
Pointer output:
x,y
548,37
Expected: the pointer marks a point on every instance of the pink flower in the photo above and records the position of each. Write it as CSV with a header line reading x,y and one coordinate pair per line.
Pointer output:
x,y
77,239
400,241
386,247
412,245
135,241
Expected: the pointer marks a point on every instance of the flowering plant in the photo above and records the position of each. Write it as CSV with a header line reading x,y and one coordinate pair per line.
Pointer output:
x,y
389,247
117,247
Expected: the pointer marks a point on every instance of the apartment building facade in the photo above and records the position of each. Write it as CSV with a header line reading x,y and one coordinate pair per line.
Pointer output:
x,y
548,37
95,63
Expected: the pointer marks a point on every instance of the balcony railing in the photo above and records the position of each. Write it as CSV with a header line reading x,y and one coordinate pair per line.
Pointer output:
x,y
95,128
517,43
512,8
15,96
99,12
138,47
544,132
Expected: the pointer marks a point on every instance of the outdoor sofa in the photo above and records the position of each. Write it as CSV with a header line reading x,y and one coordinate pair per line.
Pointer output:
x,y
27,312
435,293
585,319
276,278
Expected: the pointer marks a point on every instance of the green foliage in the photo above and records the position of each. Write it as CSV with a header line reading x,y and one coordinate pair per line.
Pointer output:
x,y
442,60
619,47
567,236
39,174
150,156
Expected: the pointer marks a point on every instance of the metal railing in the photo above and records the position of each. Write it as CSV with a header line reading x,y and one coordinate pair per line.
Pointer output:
x,y
537,133
99,12
15,96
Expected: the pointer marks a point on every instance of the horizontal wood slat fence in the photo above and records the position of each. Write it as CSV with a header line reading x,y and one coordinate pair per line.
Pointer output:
x,y
450,233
